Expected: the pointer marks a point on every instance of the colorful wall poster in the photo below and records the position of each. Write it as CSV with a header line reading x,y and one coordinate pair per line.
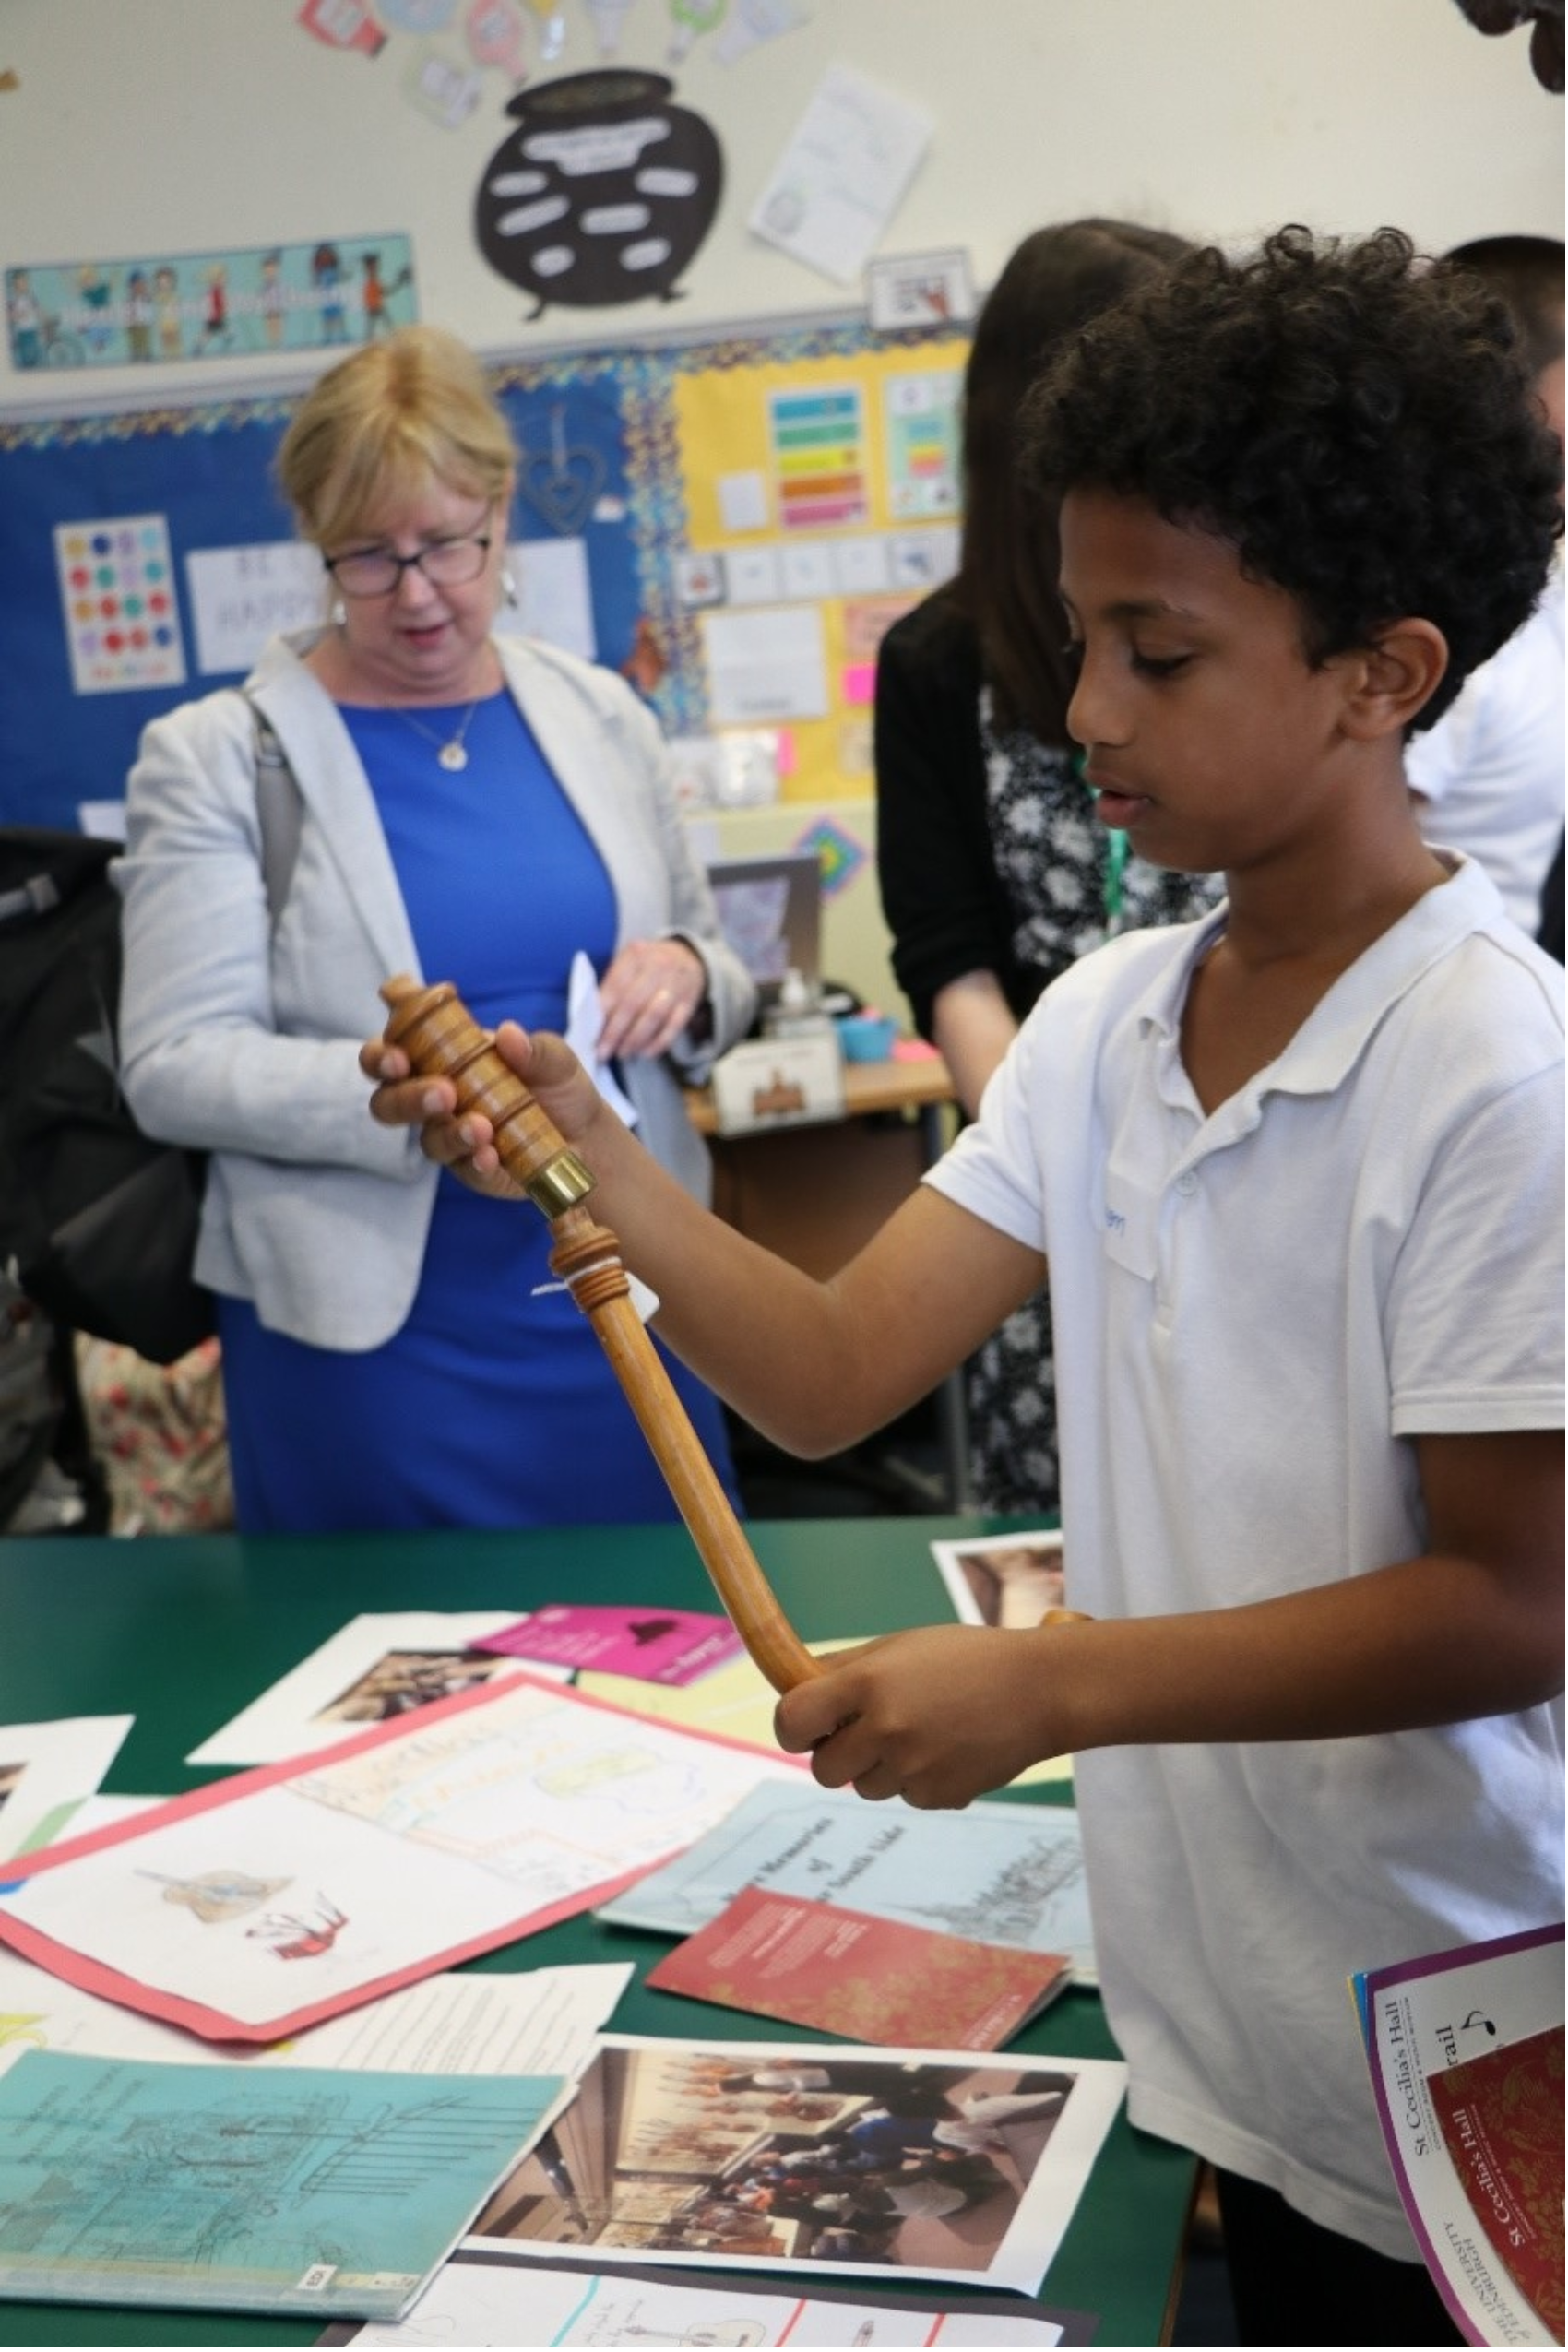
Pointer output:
x,y
821,482
819,456
209,306
922,411
117,590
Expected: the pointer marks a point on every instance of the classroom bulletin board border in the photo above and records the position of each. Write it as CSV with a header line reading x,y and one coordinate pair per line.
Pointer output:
x,y
728,522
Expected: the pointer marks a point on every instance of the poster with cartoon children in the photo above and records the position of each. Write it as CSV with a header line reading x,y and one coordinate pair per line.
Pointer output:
x,y
163,308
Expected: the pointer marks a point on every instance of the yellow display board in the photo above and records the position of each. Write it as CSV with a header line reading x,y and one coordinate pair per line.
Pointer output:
x,y
822,498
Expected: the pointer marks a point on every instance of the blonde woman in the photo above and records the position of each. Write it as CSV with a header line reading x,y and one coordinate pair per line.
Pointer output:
x,y
467,807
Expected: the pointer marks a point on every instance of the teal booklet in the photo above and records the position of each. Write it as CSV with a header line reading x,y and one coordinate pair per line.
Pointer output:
x,y
236,2187
999,1872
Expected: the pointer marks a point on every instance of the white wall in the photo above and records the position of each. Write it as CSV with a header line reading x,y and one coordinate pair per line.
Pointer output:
x,y
150,126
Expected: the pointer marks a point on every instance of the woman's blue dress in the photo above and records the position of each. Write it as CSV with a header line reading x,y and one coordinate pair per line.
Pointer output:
x,y
494,1405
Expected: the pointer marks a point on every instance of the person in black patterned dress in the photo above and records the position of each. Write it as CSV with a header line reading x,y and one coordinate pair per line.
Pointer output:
x,y
995,874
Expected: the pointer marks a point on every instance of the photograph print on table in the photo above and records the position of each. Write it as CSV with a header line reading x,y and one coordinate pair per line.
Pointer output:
x,y
941,2164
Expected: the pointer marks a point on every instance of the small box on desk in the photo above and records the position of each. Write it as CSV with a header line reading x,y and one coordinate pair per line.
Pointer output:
x,y
778,1082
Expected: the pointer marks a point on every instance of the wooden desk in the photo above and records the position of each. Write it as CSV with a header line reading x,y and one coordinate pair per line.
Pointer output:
x,y
182,1630
868,1086
815,1194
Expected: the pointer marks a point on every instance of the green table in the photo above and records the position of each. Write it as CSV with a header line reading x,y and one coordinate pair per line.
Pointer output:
x,y
184,1631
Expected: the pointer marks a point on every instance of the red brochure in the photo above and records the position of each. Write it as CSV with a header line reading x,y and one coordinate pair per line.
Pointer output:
x,y
872,1981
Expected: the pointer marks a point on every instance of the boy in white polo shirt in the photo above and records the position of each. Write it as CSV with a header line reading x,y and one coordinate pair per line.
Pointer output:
x,y
1489,775
1297,1171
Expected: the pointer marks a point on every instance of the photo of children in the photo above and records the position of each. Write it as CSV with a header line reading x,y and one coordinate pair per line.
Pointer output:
x,y
786,2155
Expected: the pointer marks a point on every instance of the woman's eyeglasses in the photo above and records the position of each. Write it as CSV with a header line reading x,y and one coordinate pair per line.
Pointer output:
x,y
376,571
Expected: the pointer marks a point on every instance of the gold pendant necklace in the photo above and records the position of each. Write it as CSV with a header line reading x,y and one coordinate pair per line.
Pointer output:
x,y
449,750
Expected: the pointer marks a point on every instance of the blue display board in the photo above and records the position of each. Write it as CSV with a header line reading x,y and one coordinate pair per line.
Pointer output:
x,y
599,461
209,473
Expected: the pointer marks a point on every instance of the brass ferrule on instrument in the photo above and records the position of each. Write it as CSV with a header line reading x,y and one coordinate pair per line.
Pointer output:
x,y
559,1184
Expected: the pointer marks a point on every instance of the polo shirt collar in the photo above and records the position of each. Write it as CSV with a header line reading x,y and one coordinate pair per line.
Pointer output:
x,y
1331,1040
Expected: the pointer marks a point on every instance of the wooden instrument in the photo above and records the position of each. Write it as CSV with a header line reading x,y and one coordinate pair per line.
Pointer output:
x,y
441,1040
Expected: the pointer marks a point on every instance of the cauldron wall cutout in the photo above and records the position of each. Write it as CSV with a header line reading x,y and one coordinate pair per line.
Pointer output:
x,y
602,194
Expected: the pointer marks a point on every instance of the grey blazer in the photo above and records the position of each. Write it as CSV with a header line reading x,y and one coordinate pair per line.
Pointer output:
x,y
239,1036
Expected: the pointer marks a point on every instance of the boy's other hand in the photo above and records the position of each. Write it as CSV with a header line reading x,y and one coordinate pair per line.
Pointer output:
x,y
546,1065
936,1716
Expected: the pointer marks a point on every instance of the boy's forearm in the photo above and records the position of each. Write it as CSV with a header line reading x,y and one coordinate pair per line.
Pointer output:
x,y
777,1345
742,1320
815,1365
1435,1639
944,1714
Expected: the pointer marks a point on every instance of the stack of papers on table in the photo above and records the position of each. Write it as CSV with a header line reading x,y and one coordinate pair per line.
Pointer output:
x,y
1001,1873
229,2043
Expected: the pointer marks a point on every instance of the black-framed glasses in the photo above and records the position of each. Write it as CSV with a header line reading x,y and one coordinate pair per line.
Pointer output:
x,y
376,571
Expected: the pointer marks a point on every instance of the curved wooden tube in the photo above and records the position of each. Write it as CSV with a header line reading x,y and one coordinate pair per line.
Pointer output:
x,y
441,1040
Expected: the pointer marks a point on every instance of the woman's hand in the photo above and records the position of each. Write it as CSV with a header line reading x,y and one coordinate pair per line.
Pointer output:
x,y
547,1067
648,996
936,1716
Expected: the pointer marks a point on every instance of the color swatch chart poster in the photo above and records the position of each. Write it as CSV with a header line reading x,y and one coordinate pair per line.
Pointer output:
x,y
922,442
122,621
819,457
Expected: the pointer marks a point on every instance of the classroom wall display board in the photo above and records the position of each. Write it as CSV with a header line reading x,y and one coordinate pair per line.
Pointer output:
x,y
729,523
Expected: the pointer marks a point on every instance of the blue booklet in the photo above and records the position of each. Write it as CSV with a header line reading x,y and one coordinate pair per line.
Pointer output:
x,y
236,2187
1003,1873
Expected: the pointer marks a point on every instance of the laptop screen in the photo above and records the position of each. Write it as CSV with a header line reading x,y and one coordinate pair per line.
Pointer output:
x,y
770,911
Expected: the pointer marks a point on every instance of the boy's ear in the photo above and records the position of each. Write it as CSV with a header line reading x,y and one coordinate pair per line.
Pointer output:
x,y
1390,680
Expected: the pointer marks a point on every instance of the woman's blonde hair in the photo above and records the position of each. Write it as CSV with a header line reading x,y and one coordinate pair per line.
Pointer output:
x,y
383,424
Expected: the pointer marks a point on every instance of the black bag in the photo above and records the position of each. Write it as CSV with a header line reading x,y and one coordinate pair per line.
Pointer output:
x,y
98,1223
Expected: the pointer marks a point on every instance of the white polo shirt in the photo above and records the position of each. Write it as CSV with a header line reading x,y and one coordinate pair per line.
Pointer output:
x,y
1252,1311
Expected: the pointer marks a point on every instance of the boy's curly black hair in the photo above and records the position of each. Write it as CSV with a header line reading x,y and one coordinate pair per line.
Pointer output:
x,y
1355,422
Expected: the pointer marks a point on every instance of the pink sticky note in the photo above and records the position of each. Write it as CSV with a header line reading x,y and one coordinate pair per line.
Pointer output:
x,y
787,754
671,1646
858,683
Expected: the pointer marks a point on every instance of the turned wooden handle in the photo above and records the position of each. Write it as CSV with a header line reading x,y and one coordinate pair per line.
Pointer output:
x,y
441,1040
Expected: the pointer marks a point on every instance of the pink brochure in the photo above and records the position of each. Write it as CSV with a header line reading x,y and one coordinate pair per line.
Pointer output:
x,y
272,1899
669,1645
